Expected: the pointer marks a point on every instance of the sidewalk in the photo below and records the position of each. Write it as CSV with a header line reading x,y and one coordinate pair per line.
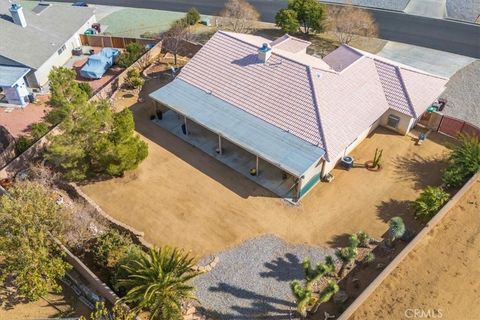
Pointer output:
x,y
427,8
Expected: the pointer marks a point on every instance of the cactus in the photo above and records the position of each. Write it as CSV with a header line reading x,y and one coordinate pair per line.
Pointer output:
x,y
377,158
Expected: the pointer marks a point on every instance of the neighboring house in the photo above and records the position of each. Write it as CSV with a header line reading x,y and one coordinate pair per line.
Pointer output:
x,y
41,38
295,111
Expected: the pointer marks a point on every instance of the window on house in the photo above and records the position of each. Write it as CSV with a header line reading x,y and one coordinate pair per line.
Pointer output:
x,y
63,48
393,121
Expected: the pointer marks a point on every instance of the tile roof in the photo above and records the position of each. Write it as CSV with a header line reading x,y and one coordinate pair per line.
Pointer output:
x,y
328,103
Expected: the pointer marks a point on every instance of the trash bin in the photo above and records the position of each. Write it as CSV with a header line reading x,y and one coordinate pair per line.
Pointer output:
x,y
347,162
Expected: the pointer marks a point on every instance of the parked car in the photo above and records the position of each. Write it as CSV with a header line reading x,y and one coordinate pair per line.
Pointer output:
x,y
80,4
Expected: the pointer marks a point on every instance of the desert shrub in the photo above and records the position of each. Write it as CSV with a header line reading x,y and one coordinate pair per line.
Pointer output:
x,y
192,16
131,254
134,79
133,51
22,144
110,248
329,291
39,130
464,161
369,258
430,201
85,87
353,241
396,229
363,238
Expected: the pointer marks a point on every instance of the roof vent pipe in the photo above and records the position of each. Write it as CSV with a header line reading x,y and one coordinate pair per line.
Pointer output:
x,y
16,11
264,52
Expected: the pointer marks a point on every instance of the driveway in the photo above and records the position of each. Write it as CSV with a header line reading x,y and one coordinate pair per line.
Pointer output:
x,y
440,63
427,8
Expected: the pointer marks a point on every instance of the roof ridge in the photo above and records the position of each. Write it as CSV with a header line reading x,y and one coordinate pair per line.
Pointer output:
x,y
317,112
407,95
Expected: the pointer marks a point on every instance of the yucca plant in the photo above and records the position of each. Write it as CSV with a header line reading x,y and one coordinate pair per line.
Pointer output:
x,y
430,201
396,229
328,292
363,238
464,161
346,256
158,282
304,296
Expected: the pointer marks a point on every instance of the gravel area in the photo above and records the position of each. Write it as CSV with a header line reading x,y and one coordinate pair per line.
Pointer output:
x,y
252,280
467,10
463,94
398,5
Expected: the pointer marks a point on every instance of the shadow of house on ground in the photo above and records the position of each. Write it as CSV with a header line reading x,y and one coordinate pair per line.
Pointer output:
x,y
201,161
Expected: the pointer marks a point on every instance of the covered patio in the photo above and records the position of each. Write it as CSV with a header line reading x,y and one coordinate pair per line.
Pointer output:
x,y
267,155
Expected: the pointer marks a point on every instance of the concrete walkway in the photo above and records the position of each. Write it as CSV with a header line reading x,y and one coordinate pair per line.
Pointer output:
x,y
437,62
427,8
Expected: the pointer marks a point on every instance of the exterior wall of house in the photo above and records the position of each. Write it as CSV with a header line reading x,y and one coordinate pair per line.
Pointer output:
x,y
59,59
311,178
404,126
329,165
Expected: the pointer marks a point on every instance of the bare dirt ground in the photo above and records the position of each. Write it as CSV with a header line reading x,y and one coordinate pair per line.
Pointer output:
x,y
183,197
440,276
61,305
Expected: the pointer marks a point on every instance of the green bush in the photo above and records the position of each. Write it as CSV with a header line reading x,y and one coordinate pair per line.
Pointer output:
x,y
85,87
193,16
464,161
110,248
39,130
132,253
133,51
22,144
430,201
369,258
396,229
364,239
134,79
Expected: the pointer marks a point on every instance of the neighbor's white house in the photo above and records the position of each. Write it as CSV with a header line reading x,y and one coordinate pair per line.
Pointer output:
x,y
293,113
39,39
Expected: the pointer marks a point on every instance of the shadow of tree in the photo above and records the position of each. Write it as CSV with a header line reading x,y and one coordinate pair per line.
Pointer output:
x,y
9,297
286,268
260,307
339,240
392,208
422,171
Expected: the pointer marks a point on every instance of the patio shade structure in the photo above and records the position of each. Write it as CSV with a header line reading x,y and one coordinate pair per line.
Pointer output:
x,y
268,142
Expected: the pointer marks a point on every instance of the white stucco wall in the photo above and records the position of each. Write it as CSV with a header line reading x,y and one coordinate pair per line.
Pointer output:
x,y
41,75
404,126
314,170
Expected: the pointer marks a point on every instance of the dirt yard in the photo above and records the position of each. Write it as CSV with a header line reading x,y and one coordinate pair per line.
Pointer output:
x,y
440,276
61,305
183,197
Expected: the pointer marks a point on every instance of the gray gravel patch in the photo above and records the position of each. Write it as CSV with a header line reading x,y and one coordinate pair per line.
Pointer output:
x,y
398,5
252,280
463,94
467,10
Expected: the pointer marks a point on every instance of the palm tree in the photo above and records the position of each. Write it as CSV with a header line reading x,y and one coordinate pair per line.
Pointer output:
x,y
396,229
158,282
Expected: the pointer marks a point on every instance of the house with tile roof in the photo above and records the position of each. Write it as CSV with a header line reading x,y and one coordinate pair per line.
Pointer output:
x,y
289,116
41,38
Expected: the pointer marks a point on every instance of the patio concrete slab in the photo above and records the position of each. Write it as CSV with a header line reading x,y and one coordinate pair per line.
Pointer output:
x,y
437,62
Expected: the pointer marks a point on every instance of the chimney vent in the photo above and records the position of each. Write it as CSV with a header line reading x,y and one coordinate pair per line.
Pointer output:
x,y
16,11
264,52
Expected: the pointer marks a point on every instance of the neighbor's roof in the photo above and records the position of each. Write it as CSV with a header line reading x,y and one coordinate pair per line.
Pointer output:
x,y
259,137
44,34
327,103
10,75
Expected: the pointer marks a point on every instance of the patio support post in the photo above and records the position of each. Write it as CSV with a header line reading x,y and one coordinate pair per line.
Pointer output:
x,y
186,128
220,144
256,167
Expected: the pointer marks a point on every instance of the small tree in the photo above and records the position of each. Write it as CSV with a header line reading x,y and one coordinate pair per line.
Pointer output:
x,y
239,16
39,130
192,16
133,51
349,22
85,87
30,220
306,300
396,229
134,79
310,16
346,256
464,161
159,282
173,39
287,20
430,201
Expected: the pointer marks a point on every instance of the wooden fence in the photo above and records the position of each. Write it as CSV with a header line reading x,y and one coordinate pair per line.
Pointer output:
x,y
104,41
455,127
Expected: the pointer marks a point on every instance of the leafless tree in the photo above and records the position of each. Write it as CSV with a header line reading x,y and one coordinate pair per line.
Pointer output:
x,y
348,22
173,39
239,16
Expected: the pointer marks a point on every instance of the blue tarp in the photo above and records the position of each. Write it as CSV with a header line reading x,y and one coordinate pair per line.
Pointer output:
x,y
99,63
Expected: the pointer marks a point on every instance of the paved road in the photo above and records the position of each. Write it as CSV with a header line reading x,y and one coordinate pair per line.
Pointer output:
x,y
445,35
